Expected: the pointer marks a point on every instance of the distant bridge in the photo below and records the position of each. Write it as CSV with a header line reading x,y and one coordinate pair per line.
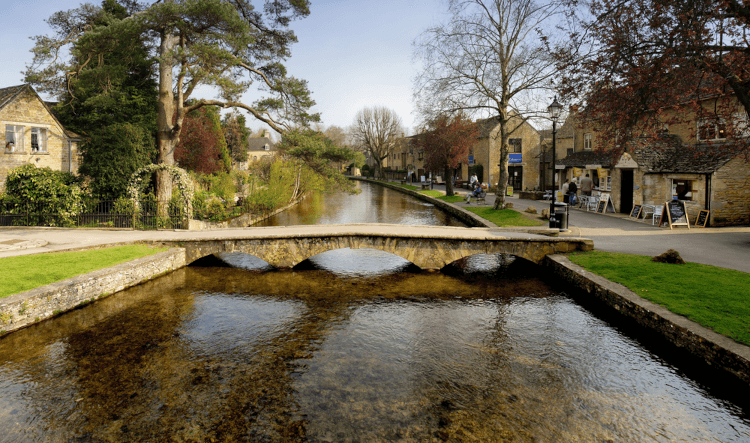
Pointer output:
x,y
429,247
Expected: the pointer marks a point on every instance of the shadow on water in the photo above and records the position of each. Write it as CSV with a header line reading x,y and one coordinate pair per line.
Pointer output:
x,y
352,346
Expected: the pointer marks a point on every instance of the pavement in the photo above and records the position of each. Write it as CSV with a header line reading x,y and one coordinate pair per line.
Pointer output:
x,y
727,247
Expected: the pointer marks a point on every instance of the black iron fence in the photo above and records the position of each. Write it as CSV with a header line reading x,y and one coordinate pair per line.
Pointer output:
x,y
123,213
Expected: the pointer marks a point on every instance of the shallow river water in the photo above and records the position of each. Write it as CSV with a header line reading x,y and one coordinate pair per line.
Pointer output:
x,y
356,346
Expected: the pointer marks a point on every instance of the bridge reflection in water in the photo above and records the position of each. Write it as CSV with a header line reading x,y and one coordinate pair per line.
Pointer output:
x,y
351,351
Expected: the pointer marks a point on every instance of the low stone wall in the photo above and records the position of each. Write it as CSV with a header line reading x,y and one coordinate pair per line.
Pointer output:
x,y
240,221
715,349
25,308
465,216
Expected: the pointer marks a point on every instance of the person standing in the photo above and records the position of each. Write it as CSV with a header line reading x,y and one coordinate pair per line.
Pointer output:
x,y
572,193
587,185
565,190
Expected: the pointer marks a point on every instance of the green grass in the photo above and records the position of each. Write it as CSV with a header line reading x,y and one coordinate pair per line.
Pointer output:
x,y
504,217
450,198
716,298
32,271
410,187
431,193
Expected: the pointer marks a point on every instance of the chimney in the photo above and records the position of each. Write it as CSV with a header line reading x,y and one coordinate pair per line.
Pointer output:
x,y
266,133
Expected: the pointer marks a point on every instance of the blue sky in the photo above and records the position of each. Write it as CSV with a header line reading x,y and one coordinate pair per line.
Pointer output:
x,y
354,54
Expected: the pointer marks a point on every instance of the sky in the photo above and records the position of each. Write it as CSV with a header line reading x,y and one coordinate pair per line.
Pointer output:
x,y
354,54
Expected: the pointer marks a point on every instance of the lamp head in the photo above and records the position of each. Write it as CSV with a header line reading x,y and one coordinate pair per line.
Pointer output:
x,y
554,109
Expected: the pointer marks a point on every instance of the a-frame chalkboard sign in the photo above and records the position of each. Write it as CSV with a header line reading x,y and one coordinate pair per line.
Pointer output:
x,y
702,218
605,203
636,211
675,214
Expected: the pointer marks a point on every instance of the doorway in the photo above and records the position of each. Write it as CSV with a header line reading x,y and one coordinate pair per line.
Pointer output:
x,y
626,190
515,177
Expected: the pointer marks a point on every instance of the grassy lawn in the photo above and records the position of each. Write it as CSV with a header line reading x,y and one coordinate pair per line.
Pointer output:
x,y
450,198
410,187
432,193
32,271
504,217
716,298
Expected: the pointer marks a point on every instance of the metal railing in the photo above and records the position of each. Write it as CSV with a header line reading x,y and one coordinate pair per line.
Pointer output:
x,y
93,213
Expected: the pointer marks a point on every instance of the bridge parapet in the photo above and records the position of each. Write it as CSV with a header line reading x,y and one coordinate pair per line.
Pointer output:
x,y
429,247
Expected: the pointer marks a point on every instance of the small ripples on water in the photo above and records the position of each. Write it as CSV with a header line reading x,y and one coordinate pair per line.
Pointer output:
x,y
324,355
350,346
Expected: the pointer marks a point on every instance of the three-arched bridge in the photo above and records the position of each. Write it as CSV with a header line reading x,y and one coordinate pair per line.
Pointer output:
x,y
429,247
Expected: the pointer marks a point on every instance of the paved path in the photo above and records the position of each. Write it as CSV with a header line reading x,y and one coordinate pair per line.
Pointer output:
x,y
724,247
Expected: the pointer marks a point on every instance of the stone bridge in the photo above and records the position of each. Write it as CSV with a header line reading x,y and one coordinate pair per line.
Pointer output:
x,y
429,247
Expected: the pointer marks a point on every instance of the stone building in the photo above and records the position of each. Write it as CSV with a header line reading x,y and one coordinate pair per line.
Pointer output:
x,y
259,147
696,162
524,157
33,134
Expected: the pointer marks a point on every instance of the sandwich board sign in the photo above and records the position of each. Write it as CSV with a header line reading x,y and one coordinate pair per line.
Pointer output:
x,y
674,213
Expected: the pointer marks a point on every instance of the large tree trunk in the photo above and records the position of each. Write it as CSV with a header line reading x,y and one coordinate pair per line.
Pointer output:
x,y
502,180
166,107
448,178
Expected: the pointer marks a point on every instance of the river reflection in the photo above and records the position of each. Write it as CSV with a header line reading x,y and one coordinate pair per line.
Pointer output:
x,y
353,346
374,204
223,354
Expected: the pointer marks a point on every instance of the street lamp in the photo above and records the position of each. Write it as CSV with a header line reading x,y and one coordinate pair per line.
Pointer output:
x,y
554,113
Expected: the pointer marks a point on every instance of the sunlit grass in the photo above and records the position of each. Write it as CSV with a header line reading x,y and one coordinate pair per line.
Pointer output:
x,y
716,298
32,271
504,217
451,198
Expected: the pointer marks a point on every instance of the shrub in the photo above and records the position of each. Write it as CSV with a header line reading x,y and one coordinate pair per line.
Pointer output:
x,y
54,196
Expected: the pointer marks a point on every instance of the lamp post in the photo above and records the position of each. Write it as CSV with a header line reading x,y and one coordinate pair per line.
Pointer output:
x,y
554,112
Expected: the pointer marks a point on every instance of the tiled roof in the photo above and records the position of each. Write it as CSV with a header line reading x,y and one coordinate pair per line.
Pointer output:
x,y
582,158
8,94
673,156
259,144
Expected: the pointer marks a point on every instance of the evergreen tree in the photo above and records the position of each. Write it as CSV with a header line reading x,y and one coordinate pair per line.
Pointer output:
x,y
111,101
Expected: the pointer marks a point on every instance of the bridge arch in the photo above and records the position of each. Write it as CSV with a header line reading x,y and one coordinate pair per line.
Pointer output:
x,y
427,252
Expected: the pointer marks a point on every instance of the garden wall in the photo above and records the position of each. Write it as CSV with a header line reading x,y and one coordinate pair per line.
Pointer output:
x,y
25,308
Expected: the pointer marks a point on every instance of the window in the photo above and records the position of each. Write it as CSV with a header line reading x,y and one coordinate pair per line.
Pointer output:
x,y
421,155
714,129
741,124
38,140
14,138
570,151
267,147
515,145
587,141
682,189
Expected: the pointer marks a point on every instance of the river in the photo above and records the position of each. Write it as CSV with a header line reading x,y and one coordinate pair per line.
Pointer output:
x,y
357,346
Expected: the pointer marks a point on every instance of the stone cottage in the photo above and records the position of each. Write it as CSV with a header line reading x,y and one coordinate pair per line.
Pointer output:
x,y
33,134
523,159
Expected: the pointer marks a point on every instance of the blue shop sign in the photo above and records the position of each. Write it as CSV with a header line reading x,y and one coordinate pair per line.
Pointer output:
x,y
471,159
514,158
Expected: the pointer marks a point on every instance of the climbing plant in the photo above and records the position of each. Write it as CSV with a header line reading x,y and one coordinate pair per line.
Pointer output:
x,y
180,177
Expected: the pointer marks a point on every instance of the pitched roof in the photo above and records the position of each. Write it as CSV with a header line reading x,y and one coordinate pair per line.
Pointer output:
x,y
8,94
582,158
487,125
675,157
259,144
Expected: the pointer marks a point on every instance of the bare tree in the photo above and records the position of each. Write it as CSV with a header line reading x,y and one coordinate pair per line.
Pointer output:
x,y
376,130
337,135
489,60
